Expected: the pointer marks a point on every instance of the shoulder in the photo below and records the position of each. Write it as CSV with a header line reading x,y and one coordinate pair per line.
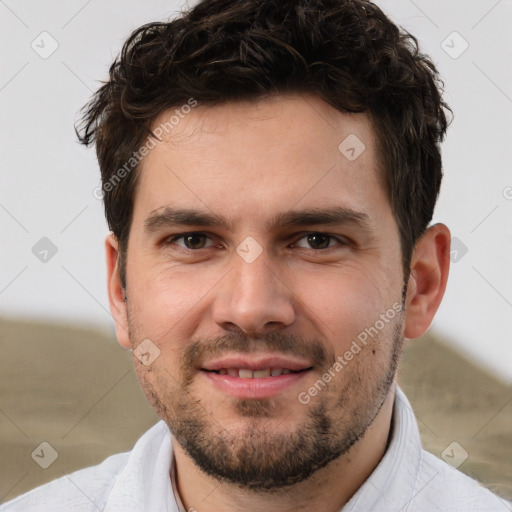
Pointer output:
x,y
441,487
82,491
124,476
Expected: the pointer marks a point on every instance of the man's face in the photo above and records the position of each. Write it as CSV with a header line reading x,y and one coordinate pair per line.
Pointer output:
x,y
250,311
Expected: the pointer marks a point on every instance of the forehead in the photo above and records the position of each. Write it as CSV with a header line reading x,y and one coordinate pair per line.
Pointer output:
x,y
264,156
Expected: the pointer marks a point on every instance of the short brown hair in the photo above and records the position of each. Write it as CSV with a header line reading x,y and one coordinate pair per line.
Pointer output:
x,y
347,52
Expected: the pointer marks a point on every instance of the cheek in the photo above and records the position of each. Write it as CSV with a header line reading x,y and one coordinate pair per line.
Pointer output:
x,y
160,383
165,301
343,305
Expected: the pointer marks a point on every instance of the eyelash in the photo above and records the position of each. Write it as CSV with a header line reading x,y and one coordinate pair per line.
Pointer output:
x,y
342,241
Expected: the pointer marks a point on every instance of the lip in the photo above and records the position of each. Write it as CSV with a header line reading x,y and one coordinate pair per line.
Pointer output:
x,y
254,388
257,362
265,387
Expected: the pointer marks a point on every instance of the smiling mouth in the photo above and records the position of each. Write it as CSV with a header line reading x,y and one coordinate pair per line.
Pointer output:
x,y
255,377
245,373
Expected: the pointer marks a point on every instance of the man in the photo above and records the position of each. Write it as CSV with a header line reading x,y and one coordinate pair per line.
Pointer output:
x,y
269,172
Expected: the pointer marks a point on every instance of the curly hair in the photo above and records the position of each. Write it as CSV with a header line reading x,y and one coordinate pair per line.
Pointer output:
x,y
347,52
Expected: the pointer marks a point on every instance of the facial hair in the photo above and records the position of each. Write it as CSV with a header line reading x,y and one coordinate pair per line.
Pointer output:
x,y
249,454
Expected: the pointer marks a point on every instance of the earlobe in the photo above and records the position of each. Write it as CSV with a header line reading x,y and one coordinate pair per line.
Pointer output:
x,y
430,264
116,292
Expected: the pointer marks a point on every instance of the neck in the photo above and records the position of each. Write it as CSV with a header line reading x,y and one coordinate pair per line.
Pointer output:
x,y
328,489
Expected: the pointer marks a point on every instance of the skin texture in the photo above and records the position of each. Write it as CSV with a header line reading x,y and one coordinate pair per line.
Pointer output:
x,y
301,297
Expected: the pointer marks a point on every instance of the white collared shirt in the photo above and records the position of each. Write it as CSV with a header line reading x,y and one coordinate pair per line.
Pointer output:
x,y
407,479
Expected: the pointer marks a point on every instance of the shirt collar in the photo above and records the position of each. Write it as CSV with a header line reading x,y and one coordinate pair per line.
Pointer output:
x,y
391,484
144,483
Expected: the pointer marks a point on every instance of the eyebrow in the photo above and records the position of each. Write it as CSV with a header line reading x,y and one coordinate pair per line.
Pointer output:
x,y
167,216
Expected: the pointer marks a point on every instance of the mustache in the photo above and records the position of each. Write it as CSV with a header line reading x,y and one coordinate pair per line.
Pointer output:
x,y
201,350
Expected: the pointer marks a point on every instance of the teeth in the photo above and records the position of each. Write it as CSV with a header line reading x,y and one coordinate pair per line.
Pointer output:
x,y
244,373
259,374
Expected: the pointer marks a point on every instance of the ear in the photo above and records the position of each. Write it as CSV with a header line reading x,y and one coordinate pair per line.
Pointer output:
x,y
430,264
116,295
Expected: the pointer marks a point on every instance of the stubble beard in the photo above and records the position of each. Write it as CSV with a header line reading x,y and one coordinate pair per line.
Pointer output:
x,y
247,453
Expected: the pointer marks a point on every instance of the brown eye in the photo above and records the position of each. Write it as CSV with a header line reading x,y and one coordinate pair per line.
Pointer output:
x,y
319,240
194,241
191,241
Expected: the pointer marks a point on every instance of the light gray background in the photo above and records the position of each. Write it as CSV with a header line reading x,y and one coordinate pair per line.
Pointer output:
x,y
48,178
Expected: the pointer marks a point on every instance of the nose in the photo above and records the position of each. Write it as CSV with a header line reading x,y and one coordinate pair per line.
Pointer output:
x,y
254,298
